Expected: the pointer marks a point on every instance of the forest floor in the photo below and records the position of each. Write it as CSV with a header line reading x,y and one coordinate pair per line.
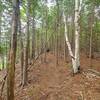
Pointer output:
x,y
50,82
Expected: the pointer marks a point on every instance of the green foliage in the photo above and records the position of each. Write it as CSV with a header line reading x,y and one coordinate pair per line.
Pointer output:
x,y
38,10
2,49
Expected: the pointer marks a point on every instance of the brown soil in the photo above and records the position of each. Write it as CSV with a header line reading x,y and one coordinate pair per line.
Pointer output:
x,y
50,82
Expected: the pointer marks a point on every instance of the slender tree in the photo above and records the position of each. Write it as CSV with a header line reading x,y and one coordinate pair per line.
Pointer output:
x,y
57,30
75,58
33,37
33,6
46,29
0,24
27,50
77,30
21,45
91,22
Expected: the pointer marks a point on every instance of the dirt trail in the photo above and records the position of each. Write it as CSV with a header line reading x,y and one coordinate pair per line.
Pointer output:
x,y
50,82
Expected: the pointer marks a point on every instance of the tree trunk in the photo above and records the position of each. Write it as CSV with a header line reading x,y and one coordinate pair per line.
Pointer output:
x,y
3,62
77,29
12,56
75,59
57,30
67,42
91,34
33,38
65,51
27,51
21,47
0,26
46,31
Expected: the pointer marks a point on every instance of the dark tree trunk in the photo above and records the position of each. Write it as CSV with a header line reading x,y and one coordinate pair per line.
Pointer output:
x,y
12,55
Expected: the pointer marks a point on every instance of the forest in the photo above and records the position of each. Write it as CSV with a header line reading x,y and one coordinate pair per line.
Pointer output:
x,y
49,49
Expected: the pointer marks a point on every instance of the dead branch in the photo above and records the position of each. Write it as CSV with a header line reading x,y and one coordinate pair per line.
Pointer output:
x,y
3,83
92,71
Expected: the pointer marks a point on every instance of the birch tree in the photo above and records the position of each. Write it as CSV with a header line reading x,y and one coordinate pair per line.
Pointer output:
x,y
75,55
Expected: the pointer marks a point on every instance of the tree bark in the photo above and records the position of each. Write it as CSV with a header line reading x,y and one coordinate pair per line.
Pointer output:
x,y
57,30
33,38
75,58
77,28
12,56
46,31
21,46
27,50
67,41
91,34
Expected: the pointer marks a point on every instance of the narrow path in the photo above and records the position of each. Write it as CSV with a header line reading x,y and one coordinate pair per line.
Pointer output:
x,y
50,82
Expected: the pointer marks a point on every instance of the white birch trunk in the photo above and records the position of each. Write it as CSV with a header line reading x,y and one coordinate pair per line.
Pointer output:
x,y
77,28
68,43
75,58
